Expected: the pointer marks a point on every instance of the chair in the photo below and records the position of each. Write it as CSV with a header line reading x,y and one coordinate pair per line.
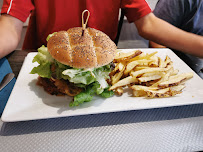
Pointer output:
x,y
119,27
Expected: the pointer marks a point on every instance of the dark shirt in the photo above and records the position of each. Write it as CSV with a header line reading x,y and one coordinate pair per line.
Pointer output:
x,y
188,16
184,14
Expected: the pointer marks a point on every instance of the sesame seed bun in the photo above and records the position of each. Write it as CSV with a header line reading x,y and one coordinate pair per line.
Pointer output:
x,y
91,49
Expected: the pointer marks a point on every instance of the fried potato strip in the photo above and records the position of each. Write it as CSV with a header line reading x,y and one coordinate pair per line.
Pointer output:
x,y
147,75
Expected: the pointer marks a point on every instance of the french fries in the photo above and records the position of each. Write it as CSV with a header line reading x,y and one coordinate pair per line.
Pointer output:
x,y
124,82
119,91
146,75
126,56
119,72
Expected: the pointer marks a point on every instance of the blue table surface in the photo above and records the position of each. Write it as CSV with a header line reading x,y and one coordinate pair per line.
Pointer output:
x,y
5,92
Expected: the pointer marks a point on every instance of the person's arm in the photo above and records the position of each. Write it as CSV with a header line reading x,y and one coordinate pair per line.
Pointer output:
x,y
10,34
154,29
155,45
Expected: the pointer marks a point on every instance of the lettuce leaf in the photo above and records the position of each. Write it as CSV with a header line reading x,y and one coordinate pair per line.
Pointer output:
x,y
59,69
72,72
45,60
43,70
88,94
106,93
50,35
88,76
42,56
81,98
79,76
101,74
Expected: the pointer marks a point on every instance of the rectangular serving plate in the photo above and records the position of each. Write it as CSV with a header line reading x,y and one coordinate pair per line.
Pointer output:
x,y
29,101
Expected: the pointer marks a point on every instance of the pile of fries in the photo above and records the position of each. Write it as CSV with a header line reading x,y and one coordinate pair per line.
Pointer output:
x,y
146,75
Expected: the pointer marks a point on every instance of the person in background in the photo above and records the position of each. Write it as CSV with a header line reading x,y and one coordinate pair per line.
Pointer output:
x,y
50,16
186,15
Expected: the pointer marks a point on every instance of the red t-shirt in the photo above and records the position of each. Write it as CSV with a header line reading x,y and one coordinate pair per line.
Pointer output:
x,y
48,16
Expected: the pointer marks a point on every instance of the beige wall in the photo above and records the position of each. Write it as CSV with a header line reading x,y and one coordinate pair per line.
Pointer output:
x,y
152,3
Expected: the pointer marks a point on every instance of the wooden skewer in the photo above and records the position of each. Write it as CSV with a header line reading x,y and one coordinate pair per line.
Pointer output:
x,y
84,25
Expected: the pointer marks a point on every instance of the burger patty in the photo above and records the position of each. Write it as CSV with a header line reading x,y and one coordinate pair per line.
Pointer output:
x,y
58,87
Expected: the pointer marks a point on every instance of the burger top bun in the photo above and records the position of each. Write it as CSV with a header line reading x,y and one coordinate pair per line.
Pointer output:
x,y
82,48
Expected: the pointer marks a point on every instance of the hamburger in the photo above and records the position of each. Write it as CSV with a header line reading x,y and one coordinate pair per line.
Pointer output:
x,y
77,63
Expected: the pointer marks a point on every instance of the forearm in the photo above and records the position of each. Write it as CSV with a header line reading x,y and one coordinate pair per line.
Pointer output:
x,y
155,45
159,31
10,33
